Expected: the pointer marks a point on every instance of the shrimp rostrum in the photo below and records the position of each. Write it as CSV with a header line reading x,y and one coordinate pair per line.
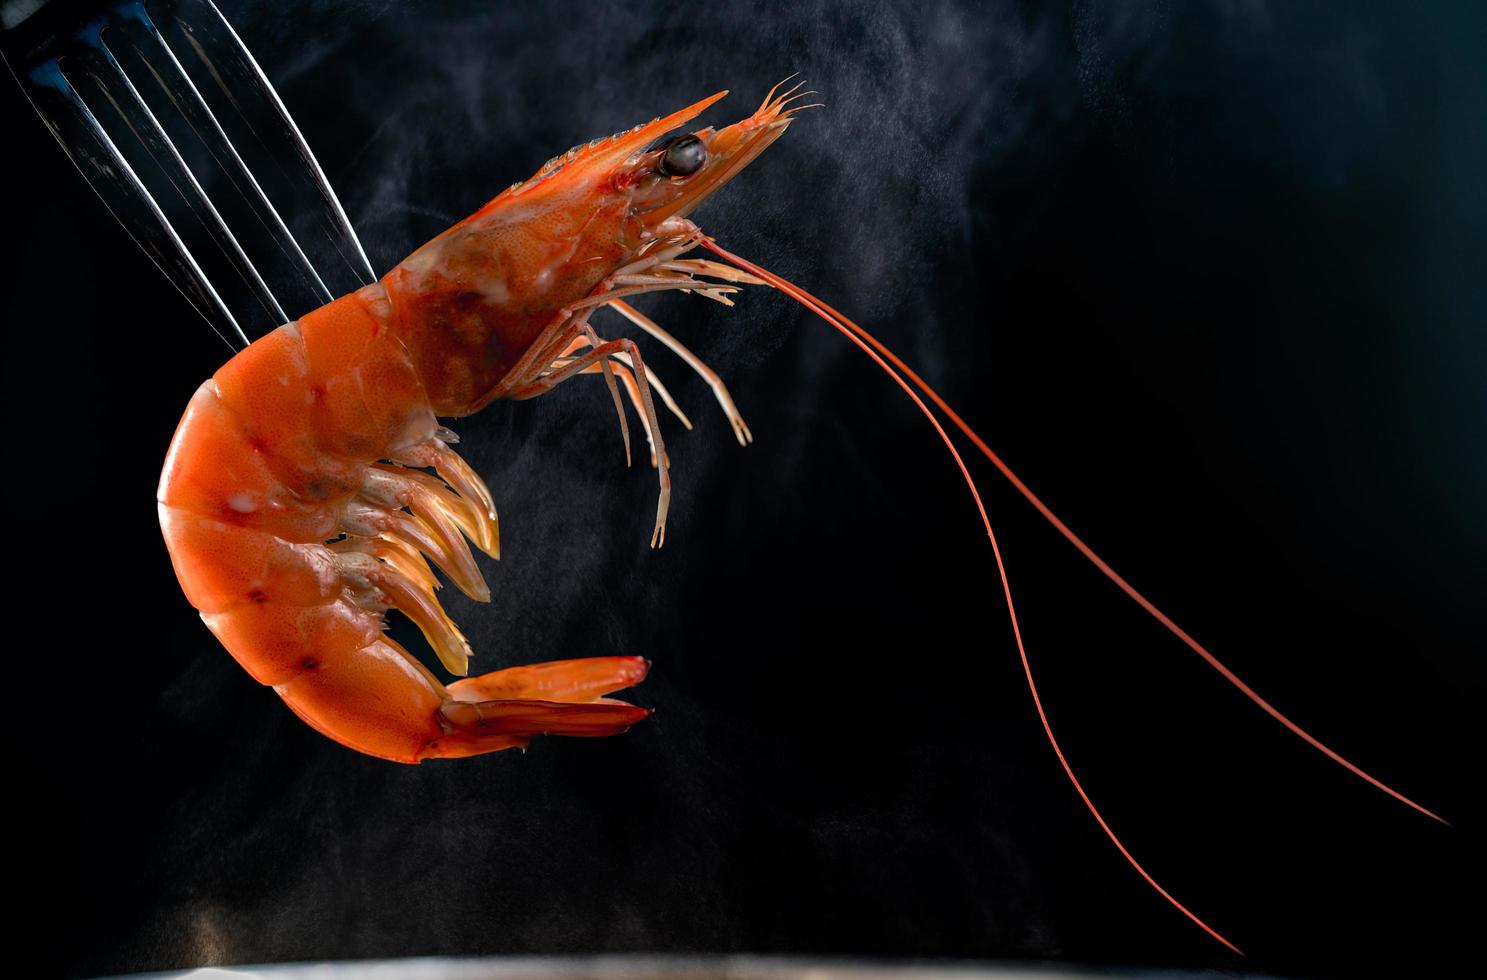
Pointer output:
x,y
295,498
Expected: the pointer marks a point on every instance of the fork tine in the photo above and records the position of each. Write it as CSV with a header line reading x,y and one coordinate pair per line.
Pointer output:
x,y
91,150
157,143
153,151
187,99
230,61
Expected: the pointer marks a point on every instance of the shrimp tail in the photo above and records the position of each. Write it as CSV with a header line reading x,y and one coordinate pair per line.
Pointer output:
x,y
505,708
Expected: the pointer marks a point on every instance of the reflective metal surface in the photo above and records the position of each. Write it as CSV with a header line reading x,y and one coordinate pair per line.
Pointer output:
x,y
657,968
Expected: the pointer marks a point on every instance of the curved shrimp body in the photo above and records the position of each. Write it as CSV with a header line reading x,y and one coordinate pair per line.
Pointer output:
x,y
277,455
294,501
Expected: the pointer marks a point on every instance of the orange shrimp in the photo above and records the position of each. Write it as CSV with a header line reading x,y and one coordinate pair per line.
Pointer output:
x,y
292,501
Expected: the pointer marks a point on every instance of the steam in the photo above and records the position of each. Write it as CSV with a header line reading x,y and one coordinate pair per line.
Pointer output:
x,y
420,114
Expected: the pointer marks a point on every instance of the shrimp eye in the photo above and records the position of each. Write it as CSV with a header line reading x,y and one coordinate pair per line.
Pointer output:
x,y
684,156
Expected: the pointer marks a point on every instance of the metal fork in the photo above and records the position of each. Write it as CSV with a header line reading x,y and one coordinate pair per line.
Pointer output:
x,y
172,122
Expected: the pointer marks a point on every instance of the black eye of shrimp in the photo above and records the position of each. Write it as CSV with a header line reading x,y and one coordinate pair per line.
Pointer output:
x,y
684,156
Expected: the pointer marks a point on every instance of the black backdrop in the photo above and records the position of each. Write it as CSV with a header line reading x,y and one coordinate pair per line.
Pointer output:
x,y
1209,275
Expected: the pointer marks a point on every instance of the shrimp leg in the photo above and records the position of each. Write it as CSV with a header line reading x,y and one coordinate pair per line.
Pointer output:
x,y
627,378
720,390
600,355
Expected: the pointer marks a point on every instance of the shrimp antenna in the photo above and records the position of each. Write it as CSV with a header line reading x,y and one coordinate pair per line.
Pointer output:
x,y
842,324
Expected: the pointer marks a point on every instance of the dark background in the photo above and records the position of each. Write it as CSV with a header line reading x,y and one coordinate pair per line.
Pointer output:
x,y
1209,275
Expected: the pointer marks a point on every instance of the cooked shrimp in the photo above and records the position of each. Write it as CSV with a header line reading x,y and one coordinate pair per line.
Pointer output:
x,y
292,500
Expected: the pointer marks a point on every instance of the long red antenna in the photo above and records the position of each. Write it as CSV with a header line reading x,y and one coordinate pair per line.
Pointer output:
x,y
810,303
1084,549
